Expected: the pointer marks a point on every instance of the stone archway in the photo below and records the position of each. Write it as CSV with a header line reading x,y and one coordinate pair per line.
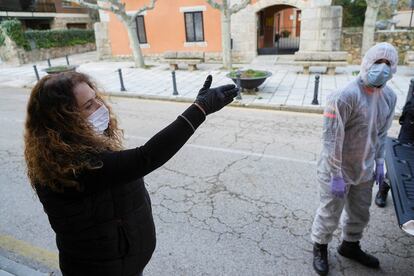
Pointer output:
x,y
244,26
278,30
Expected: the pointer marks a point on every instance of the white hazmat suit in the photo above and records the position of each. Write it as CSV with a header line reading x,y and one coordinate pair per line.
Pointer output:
x,y
356,121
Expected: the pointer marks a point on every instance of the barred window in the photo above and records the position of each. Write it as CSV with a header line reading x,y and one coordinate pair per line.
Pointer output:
x,y
194,28
142,36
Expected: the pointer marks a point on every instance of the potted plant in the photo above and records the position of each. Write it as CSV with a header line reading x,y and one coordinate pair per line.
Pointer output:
x,y
60,69
249,79
285,33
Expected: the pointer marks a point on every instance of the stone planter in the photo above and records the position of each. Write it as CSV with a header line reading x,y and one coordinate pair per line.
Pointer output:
x,y
250,80
60,69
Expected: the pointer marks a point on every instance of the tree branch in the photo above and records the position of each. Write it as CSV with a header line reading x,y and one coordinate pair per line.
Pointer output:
x,y
145,8
375,3
214,4
237,7
116,3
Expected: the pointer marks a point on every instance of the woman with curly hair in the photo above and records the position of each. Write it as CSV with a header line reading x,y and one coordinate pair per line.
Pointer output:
x,y
92,189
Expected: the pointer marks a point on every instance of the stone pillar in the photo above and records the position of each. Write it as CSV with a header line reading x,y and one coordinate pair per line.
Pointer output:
x,y
321,29
409,58
320,3
103,44
11,53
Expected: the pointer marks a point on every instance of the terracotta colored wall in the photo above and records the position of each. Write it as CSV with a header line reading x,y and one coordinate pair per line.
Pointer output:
x,y
165,28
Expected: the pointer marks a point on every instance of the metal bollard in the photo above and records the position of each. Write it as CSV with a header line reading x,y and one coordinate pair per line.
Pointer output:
x,y
48,62
67,60
175,92
121,80
36,72
315,91
238,82
410,90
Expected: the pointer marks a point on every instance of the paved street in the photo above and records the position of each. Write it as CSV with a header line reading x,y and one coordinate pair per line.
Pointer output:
x,y
238,199
287,88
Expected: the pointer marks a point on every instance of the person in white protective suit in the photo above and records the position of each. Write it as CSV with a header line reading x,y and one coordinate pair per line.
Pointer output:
x,y
356,121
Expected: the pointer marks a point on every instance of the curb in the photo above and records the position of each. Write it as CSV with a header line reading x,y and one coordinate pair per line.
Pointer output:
x,y
279,107
276,107
26,250
235,103
11,268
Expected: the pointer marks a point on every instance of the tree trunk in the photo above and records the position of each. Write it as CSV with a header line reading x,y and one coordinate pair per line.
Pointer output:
x,y
226,38
369,26
134,44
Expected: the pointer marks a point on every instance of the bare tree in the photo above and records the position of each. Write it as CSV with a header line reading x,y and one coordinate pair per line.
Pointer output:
x,y
226,11
127,19
369,24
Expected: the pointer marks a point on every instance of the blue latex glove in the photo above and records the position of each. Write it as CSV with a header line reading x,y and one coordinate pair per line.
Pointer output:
x,y
379,174
338,186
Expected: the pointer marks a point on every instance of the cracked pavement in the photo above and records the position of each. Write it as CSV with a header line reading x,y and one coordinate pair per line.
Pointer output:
x,y
238,199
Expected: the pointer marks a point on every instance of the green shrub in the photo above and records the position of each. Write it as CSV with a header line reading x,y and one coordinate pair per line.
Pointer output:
x,y
249,74
59,69
353,14
45,38
13,29
285,33
60,38
2,38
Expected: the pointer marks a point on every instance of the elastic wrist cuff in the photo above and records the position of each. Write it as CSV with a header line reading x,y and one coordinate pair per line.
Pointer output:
x,y
194,115
189,123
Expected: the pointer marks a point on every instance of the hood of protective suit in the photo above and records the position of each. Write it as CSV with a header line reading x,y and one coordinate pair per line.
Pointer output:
x,y
381,50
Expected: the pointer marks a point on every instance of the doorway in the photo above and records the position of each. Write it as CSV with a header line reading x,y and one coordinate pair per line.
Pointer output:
x,y
278,30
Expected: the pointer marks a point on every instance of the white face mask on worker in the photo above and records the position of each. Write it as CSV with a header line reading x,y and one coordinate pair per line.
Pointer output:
x,y
100,119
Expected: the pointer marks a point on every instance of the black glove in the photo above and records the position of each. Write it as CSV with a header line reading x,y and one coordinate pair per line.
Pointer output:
x,y
214,99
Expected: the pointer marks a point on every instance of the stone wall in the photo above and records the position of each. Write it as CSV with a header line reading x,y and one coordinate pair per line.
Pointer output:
x,y
12,54
209,57
42,54
60,22
352,41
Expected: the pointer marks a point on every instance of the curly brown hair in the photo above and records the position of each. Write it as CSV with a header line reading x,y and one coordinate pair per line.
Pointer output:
x,y
59,142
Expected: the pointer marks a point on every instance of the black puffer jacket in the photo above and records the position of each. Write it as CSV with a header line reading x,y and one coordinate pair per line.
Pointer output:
x,y
107,228
407,123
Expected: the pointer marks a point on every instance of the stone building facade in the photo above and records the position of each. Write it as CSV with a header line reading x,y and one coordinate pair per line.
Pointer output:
x,y
320,27
317,22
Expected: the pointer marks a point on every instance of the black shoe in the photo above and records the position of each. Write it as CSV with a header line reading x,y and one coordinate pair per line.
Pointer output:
x,y
352,250
381,197
320,258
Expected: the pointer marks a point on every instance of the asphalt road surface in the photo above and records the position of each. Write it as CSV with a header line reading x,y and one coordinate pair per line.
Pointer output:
x,y
238,199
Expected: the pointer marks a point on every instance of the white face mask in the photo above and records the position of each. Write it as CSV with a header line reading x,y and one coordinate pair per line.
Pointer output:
x,y
100,119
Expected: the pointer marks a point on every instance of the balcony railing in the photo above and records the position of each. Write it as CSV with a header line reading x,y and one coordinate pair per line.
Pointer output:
x,y
28,6
45,7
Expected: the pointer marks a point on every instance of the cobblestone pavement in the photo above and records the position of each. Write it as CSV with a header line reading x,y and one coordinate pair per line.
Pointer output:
x,y
287,87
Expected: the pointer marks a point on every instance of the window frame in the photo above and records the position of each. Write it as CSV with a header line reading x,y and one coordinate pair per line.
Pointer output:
x,y
194,26
145,30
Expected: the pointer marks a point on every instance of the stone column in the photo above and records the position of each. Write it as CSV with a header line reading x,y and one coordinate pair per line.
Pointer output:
x,y
321,29
103,44
320,3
